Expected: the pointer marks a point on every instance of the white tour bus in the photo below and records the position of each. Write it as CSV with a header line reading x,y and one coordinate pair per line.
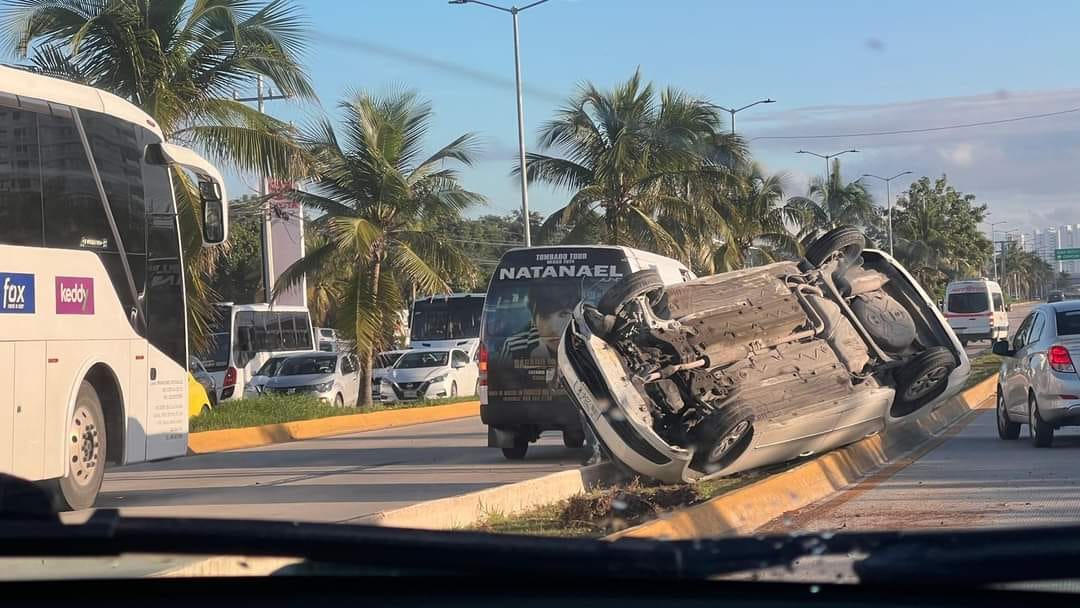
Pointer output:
x,y
447,321
246,335
93,326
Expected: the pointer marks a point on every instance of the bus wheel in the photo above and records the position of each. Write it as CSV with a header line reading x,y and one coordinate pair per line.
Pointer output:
x,y
86,451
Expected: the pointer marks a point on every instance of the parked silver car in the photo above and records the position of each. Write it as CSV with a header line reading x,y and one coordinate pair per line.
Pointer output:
x,y
749,368
332,377
1038,384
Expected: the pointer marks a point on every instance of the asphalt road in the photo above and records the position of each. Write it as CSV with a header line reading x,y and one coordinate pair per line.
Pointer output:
x,y
971,480
335,479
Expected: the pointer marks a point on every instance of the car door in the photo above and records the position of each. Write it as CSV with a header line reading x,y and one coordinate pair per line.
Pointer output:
x,y
1034,358
459,364
1012,381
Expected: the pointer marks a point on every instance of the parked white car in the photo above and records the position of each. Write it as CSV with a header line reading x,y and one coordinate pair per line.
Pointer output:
x,y
254,386
430,373
332,377
381,366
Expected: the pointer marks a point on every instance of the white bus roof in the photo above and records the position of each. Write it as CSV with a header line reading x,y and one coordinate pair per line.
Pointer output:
x,y
447,296
263,307
23,83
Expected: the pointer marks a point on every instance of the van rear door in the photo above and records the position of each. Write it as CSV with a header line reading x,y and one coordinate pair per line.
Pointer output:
x,y
967,307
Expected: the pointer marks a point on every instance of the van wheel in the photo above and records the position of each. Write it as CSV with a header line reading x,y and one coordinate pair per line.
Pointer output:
x,y
630,287
517,452
923,379
845,240
86,448
573,439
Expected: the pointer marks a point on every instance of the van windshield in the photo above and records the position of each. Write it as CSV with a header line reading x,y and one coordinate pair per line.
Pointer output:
x,y
969,302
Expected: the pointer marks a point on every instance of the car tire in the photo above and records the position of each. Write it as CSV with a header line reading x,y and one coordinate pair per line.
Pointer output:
x,y
87,445
573,440
1042,433
845,239
518,450
636,284
721,438
205,409
1007,429
339,401
921,380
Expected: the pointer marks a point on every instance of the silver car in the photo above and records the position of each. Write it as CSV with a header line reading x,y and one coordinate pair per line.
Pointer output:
x,y
1038,384
332,377
750,368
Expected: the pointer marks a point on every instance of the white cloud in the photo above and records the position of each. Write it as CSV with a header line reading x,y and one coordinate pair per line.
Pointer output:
x,y
960,154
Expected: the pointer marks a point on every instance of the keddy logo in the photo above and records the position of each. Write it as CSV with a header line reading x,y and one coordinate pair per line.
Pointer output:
x,y
16,292
74,296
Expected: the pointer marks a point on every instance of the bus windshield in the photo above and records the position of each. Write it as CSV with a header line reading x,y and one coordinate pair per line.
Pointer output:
x,y
452,318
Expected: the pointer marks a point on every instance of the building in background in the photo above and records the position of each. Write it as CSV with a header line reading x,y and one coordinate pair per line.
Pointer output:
x,y
1065,236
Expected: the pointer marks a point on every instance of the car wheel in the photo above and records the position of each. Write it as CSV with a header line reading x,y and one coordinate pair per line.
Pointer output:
x,y
517,452
1007,429
1042,433
721,438
453,389
634,285
574,439
339,401
845,240
923,379
86,448
204,410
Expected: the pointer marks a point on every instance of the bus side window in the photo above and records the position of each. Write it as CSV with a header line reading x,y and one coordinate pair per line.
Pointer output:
x,y
72,206
20,181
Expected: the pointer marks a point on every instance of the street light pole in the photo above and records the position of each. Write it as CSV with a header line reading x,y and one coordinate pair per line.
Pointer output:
x,y
734,111
888,200
993,262
514,10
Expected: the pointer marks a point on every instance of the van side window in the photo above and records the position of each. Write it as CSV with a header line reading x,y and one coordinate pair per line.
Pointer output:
x,y
999,304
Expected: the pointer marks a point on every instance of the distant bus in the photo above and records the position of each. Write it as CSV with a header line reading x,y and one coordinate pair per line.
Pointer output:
x,y
447,321
246,335
93,320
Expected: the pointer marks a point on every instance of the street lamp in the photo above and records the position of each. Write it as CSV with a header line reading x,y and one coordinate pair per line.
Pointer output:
x,y
888,199
827,158
514,10
1004,249
736,110
993,242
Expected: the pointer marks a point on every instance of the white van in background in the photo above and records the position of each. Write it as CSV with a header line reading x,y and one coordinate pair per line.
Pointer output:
x,y
976,310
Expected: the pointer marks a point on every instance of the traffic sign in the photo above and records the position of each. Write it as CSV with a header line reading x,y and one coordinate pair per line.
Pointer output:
x,y
1067,254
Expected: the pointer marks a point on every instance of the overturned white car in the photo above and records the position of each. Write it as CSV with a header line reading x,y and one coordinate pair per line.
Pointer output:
x,y
744,369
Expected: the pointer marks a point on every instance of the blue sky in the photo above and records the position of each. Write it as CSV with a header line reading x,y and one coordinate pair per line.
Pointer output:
x,y
832,66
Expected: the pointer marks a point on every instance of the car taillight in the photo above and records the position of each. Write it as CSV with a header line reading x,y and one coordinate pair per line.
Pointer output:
x,y
1059,359
230,377
482,365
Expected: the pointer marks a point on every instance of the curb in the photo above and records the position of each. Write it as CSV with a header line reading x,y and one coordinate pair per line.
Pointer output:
x,y
254,436
744,510
455,512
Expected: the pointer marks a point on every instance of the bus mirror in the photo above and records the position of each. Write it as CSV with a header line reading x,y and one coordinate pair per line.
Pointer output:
x,y
213,212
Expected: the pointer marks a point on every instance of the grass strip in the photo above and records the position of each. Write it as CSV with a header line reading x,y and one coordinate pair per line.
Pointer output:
x,y
982,367
275,409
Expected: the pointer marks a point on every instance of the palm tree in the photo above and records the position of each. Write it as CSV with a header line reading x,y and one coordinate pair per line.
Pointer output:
x,y
380,197
833,203
756,219
180,62
629,160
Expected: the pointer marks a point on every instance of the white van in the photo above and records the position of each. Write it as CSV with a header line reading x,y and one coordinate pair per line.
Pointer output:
x,y
531,298
976,310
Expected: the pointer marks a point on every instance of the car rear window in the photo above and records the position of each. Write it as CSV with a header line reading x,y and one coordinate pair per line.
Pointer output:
x,y
1068,323
969,302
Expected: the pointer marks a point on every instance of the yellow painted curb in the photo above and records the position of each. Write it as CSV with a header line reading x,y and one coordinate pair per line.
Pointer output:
x,y
743,510
253,436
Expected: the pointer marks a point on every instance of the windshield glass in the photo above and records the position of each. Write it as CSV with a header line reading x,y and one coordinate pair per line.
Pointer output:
x,y
447,318
298,366
422,359
635,269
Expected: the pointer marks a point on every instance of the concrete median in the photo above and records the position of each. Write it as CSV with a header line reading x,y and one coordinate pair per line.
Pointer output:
x,y
249,437
744,510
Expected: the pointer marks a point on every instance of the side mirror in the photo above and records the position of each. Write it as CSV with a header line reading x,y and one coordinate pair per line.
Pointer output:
x,y
213,212
1001,348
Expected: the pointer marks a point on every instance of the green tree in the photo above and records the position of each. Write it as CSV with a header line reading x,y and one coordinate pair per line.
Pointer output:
x,y
630,158
757,220
180,61
936,232
379,195
833,203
